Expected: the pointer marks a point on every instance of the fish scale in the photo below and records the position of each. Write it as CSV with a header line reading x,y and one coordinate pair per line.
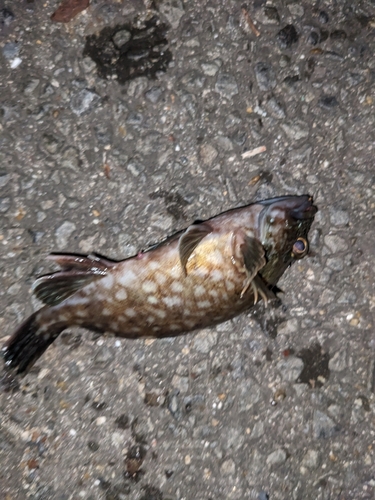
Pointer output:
x,y
209,273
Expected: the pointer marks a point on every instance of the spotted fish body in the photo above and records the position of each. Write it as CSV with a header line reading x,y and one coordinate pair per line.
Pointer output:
x,y
207,274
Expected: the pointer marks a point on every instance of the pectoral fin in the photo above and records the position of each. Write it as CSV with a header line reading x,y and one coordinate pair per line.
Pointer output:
x,y
254,259
190,239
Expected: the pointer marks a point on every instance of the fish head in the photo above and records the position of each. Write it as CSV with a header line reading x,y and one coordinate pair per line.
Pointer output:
x,y
284,224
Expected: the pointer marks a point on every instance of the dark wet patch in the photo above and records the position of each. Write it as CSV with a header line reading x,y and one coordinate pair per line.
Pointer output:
x,y
174,203
123,422
129,52
315,370
270,318
151,493
287,36
134,460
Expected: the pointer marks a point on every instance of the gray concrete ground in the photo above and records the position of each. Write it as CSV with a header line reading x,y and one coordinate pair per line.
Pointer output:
x,y
112,165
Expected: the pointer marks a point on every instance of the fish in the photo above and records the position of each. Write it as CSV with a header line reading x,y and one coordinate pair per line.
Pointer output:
x,y
202,276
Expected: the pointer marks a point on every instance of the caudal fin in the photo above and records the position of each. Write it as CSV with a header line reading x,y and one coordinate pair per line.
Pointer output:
x,y
27,344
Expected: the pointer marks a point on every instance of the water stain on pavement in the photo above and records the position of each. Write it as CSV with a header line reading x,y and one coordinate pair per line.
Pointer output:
x,y
128,51
315,371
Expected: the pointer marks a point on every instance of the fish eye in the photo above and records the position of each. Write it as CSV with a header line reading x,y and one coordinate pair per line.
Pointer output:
x,y
300,248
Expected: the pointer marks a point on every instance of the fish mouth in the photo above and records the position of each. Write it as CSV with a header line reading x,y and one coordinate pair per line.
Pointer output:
x,y
297,207
305,210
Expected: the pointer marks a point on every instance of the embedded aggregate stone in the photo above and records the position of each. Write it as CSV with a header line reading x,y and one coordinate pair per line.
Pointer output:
x,y
11,50
226,85
84,101
265,76
63,233
277,457
287,36
323,426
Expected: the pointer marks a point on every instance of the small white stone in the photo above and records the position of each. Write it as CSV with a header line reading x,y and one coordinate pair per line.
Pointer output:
x,y
16,62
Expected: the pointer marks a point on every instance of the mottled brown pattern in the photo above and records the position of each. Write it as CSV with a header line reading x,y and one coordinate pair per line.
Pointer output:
x,y
160,293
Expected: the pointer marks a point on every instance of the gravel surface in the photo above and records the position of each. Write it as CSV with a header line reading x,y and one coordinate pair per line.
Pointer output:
x,y
126,124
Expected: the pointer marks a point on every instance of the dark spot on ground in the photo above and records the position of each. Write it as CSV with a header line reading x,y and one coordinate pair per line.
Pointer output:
x,y
315,370
129,52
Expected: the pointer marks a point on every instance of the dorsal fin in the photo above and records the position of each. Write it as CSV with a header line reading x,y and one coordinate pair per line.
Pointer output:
x,y
190,239
90,263
77,272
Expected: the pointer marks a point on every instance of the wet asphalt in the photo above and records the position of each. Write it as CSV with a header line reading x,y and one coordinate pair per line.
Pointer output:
x,y
126,124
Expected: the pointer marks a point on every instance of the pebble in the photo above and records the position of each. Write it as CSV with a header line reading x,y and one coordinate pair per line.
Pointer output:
x,y
228,468
323,17
31,86
226,85
210,69
290,368
173,11
296,130
269,15
257,430
335,243
277,457
11,50
51,143
4,205
311,459
296,9
335,263
137,86
84,101
134,118
121,37
4,179
265,76
63,233
193,80
180,383
338,361
70,158
275,108
263,495
6,16
323,426
207,154
204,341
104,357
15,62
347,297
328,102
338,216
287,36
154,94
314,38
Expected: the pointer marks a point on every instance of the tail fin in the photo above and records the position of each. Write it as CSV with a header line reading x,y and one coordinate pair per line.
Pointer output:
x,y
28,343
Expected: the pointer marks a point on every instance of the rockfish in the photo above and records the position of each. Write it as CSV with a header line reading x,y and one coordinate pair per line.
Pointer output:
x,y
204,275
